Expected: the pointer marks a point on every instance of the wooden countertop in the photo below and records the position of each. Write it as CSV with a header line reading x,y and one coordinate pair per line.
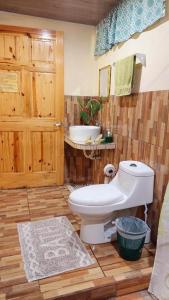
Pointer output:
x,y
89,147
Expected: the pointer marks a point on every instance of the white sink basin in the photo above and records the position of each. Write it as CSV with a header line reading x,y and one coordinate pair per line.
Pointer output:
x,y
80,133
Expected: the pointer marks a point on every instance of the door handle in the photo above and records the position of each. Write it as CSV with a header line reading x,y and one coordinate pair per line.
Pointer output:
x,y
58,124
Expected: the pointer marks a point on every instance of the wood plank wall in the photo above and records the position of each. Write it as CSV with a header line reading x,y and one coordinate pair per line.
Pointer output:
x,y
140,125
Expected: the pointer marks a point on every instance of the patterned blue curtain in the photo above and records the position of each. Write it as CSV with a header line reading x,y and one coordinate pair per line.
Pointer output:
x,y
112,28
102,34
129,17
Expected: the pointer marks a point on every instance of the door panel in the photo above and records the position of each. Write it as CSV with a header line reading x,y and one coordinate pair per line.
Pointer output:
x,y
44,94
11,151
11,103
8,47
43,50
43,151
31,102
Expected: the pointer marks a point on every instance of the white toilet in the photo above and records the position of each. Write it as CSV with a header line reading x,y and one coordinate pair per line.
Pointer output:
x,y
96,204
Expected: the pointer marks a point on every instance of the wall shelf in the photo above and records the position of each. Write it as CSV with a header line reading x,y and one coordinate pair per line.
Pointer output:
x,y
89,147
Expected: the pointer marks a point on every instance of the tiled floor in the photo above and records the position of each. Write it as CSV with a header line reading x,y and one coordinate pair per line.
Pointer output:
x,y
109,277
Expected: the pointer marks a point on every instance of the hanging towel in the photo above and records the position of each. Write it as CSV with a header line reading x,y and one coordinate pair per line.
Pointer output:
x,y
124,73
159,283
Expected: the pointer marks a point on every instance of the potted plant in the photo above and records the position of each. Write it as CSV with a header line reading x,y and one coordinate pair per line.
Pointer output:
x,y
89,109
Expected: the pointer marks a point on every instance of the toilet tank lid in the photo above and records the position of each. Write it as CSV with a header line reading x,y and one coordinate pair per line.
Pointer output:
x,y
136,168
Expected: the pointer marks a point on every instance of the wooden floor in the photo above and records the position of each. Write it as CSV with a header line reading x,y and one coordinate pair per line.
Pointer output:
x,y
110,277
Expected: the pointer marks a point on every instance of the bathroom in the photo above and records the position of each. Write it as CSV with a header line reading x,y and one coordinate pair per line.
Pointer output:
x,y
37,190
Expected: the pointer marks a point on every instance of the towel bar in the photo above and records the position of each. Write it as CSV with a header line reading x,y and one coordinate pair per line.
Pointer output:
x,y
141,57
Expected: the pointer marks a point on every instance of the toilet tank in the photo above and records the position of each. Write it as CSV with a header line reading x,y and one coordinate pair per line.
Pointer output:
x,y
136,180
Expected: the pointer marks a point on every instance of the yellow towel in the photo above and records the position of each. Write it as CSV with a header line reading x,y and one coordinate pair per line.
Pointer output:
x,y
124,72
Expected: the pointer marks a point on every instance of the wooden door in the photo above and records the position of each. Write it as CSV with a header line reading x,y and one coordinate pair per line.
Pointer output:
x,y
31,102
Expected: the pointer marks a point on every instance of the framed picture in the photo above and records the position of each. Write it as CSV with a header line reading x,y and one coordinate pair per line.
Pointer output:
x,y
104,81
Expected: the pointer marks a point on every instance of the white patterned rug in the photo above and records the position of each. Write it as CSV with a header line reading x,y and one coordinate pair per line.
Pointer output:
x,y
51,247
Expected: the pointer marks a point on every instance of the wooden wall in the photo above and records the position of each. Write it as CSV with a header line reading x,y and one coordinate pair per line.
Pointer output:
x,y
141,131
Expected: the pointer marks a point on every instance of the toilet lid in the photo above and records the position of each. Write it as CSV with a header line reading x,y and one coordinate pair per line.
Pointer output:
x,y
96,195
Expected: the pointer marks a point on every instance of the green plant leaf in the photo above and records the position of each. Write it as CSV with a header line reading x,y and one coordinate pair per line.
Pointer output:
x,y
94,107
89,109
84,116
81,103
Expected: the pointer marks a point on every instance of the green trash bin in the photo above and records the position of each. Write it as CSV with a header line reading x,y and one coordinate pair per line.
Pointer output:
x,y
131,233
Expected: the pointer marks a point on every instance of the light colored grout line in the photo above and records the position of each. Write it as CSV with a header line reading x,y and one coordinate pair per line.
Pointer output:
x,y
92,249
27,190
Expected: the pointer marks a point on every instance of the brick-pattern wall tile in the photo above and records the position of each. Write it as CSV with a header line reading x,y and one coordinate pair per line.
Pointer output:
x,y
140,127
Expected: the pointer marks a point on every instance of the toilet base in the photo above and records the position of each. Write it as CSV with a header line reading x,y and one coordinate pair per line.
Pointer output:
x,y
98,233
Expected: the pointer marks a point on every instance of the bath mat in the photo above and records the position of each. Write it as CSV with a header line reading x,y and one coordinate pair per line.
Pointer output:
x,y
51,247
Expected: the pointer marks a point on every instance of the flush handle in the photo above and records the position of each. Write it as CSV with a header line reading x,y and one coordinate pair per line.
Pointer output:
x,y
133,165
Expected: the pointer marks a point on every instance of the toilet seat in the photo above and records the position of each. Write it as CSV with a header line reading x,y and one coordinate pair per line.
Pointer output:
x,y
98,195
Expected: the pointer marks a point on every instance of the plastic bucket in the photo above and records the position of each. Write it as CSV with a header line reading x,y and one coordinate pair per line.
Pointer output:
x,y
131,233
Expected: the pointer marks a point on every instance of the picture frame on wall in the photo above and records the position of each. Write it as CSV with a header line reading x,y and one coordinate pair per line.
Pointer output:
x,y
104,81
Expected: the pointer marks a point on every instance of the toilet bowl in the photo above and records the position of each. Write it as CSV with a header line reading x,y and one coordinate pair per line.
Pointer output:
x,y
98,204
